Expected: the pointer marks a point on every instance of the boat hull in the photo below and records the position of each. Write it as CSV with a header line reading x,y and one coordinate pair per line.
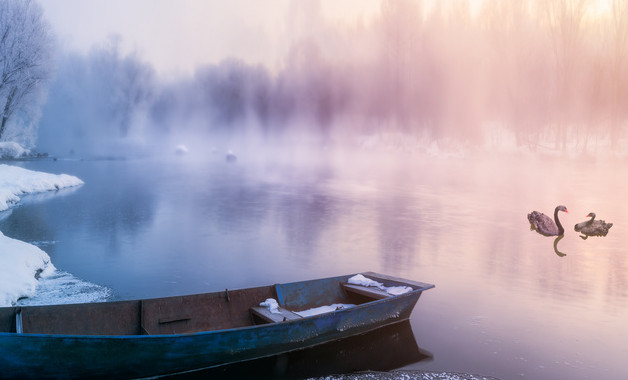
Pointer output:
x,y
130,356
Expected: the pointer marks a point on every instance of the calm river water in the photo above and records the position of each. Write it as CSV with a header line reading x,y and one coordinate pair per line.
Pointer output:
x,y
508,302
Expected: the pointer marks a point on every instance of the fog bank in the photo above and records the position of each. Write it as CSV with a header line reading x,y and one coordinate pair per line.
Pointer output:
x,y
546,74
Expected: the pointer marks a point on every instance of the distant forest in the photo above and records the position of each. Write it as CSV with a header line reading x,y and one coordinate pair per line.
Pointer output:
x,y
547,70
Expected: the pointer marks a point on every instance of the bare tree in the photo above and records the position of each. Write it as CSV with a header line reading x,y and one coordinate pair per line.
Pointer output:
x,y
25,57
564,19
400,26
520,67
618,36
123,83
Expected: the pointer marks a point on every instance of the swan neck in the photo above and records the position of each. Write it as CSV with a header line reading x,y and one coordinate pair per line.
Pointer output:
x,y
561,230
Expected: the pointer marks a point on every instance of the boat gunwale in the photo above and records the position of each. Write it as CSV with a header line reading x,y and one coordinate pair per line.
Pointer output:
x,y
424,286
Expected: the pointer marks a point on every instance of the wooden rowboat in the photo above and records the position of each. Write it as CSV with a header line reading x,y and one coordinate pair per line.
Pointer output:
x,y
161,336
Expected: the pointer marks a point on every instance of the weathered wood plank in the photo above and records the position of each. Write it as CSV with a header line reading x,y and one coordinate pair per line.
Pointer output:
x,y
283,315
364,291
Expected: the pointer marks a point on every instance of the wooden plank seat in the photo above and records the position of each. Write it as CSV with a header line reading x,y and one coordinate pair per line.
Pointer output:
x,y
370,292
283,315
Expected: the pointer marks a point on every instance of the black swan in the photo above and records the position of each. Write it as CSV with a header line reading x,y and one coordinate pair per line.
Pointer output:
x,y
545,225
593,227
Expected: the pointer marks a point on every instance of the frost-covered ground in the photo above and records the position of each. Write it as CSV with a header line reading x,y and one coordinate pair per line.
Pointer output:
x,y
21,265
408,375
25,269
16,182
10,149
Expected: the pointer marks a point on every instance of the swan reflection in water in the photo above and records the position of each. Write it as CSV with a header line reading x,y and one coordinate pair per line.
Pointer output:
x,y
592,227
559,253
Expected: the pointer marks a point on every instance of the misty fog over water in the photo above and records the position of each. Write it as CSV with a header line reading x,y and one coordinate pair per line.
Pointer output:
x,y
506,303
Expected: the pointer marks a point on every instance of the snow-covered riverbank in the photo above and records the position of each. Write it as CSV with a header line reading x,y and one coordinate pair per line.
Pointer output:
x,y
16,182
21,263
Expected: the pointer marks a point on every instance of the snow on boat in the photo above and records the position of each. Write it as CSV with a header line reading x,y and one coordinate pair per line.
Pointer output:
x,y
161,336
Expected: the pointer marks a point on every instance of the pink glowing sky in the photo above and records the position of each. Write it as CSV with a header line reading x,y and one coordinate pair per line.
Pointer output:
x,y
178,35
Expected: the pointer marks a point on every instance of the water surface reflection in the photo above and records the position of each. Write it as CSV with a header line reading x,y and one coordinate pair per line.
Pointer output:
x,y
384,349
507,302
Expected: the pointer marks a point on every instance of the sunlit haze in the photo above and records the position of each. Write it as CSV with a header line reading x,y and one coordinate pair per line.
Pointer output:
x,y
228,144
525,74
177,36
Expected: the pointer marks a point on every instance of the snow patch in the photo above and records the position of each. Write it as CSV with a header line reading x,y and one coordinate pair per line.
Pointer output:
x,y
271,304
398,290
181,149
324,309
10,149
64,288
231,157
359,279
16,182
21,264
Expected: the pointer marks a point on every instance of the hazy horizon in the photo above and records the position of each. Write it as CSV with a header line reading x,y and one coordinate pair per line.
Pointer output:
x,y
546,73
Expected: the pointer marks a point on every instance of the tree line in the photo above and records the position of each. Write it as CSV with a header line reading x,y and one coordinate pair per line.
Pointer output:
x,y
545,70
25,66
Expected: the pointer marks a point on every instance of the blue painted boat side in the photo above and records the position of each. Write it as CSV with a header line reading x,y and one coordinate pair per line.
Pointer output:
x,y
52,356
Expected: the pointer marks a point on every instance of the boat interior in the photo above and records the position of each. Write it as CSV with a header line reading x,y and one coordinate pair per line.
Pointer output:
x,y
190,313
